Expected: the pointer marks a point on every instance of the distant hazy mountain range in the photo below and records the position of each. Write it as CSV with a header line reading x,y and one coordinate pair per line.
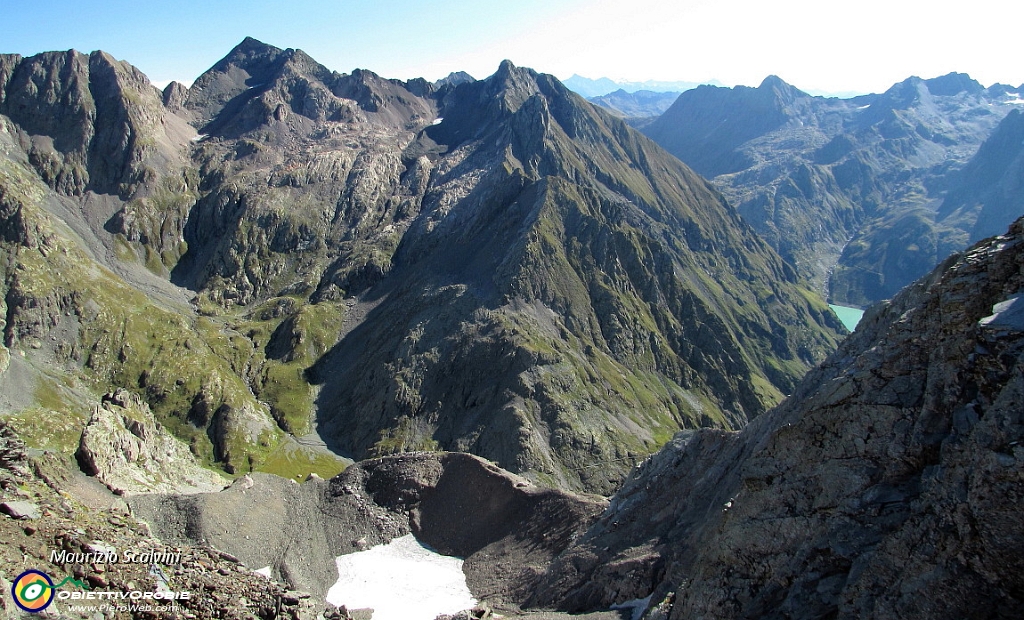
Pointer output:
x,y
863,195
602,86
636,107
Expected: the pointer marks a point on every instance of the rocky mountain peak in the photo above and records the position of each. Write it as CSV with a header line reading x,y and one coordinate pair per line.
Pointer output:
x,y
376,94
953,84
706,125
174,96
781,90
512,85
258,85
900,96
251,55
91,122
454,79
249,65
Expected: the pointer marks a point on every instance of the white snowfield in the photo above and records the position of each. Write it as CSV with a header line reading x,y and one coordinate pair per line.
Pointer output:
x,y
265,571
402,580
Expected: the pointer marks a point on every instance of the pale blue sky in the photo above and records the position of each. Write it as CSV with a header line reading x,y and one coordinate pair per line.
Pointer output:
x,y
814,44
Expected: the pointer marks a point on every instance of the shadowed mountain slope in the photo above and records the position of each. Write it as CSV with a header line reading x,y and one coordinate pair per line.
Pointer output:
x,y
885,487
990,188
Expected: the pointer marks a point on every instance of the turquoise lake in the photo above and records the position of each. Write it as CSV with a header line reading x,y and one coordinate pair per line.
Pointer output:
x,y
849,316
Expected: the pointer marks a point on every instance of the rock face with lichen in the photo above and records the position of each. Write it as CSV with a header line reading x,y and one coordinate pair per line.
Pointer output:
x,y
885,487
126,450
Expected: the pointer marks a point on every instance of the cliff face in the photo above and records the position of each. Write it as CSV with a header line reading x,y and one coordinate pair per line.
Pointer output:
x,y
88,122
885,487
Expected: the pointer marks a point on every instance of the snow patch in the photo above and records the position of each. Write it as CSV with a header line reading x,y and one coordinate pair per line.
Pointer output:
x,y
437,121
638,605
265,571
430,583
1007,314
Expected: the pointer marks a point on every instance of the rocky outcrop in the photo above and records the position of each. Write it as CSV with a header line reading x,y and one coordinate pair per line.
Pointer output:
x,y
124,447
506,528
885,487
74,517
13,457
88,122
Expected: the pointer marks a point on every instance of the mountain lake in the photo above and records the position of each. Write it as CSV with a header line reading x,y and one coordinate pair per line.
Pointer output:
x,y
849,316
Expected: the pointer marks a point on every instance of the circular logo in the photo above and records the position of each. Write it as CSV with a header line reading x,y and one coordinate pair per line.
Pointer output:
x,y
32,591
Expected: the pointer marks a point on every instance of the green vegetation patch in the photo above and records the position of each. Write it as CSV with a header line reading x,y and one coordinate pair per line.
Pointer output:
x,y
408,435
296,461
125,340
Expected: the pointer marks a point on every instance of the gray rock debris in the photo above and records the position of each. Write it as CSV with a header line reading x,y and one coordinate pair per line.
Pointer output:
x,y
20,510
506,528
